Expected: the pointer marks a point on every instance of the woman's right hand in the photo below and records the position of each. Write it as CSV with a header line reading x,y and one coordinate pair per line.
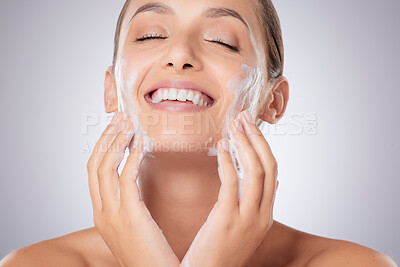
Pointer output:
x,y
124,223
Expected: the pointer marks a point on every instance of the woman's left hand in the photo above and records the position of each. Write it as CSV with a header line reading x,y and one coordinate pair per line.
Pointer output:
x,y
234,229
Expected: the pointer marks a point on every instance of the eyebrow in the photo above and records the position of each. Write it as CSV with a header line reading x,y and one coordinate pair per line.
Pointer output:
x,y
214,12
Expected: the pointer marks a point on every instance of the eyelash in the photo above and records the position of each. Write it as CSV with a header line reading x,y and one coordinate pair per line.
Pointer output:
x,y
233,48
159,36
150,36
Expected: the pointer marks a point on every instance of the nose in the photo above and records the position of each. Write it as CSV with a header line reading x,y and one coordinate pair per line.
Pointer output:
x,y
181,55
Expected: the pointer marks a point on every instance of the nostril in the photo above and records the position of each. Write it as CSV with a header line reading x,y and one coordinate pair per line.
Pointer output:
x,y
187,65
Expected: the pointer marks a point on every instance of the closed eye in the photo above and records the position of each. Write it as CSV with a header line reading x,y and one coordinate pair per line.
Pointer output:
x,y
150,36
219,41
160,36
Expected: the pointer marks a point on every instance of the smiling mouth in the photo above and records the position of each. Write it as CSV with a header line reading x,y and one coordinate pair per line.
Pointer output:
x,y
184,97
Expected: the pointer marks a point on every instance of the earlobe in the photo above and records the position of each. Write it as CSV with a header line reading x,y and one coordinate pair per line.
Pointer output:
x,y
277,100
110,92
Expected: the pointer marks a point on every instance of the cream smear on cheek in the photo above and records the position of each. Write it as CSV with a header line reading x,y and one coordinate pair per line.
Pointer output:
x,y
246,89
126,81
247,93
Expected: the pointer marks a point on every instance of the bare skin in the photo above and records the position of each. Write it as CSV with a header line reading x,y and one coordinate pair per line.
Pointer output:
x,y
286,247
281,246
180,196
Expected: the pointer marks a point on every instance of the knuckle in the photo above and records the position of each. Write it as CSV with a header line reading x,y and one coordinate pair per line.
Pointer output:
x,y
274,168
124,181
108,131
101,171
127,221
258,171
90,164
233,182
121,137
104,170
226,160
228,225
249,224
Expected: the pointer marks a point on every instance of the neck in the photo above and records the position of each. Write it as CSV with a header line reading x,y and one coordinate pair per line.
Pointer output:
x,y
180,190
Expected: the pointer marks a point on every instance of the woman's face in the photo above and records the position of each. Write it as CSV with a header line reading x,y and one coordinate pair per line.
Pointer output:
x,y
181,40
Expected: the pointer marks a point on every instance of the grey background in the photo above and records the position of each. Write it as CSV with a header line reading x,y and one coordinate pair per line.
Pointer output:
x,y
339,172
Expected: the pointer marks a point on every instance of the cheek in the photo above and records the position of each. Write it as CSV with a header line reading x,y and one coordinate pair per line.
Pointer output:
x,y
139,60
223,71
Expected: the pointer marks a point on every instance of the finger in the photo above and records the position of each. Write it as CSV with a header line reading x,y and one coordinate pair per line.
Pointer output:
x,y
267,159
108,169
129,191
228,193
253,171
100,148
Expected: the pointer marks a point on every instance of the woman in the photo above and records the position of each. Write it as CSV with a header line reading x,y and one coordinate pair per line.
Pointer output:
x,y
207,210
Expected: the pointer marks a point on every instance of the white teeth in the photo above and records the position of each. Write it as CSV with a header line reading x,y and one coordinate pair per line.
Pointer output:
x,y
181,95
190,96
158,97
196,99
165,94
172,94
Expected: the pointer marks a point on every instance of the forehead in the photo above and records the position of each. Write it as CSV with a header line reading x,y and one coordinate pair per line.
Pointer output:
x,y
187,10
244,10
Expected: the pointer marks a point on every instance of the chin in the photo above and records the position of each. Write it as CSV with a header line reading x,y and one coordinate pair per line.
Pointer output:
x,y
181,143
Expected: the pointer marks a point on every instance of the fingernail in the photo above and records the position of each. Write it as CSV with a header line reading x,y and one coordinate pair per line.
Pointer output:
x,y
248,116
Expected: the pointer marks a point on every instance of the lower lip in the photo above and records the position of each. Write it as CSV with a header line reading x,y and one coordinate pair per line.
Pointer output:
x,y
177,106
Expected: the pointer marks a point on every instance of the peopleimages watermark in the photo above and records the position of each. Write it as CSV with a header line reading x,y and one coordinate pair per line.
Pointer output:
x,y
184,124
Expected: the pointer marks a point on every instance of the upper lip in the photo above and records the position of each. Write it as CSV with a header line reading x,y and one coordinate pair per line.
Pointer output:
x,y
178,84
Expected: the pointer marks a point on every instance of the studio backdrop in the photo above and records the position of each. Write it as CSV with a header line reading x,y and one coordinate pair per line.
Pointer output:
x,y
337,145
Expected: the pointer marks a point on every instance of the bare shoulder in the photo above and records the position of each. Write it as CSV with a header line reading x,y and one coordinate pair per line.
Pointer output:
x,y
82,248
299,249
319,251
346,253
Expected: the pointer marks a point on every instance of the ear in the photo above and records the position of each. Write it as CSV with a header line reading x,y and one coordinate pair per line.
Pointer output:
x,y
110,92
276,103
